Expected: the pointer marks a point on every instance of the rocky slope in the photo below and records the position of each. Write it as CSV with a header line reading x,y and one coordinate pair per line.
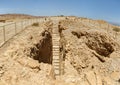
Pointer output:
x,y
17,63
91,51
93,54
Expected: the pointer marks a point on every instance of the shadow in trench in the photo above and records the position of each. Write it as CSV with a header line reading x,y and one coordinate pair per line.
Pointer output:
x,y
42,51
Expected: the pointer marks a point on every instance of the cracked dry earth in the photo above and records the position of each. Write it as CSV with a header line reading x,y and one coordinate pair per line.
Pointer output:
x,y
91,56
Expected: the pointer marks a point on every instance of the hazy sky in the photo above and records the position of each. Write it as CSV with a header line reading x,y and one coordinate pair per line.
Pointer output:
x,y
97,9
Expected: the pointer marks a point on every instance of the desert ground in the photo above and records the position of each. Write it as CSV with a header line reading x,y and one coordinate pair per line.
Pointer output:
x,y
89,53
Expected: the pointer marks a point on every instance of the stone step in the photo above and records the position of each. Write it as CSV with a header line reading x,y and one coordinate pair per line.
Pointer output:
x,y
55,57
56,64
55,41
57,68
55,35
56,54
55,27
56,49
57,72
54,46
56,60
57,44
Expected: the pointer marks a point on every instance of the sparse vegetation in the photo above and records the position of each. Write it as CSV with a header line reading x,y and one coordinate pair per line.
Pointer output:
x,y
35,24
3,21
116,29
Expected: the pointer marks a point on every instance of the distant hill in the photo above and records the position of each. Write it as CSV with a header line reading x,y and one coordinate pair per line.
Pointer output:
x,y
15,16
115,23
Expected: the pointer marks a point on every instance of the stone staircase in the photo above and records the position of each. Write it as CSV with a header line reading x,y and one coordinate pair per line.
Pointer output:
x,y
56,49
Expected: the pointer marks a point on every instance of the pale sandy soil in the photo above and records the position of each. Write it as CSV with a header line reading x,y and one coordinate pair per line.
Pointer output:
x,y
92,56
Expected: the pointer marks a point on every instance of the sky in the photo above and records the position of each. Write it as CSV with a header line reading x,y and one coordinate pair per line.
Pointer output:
x,y
108,10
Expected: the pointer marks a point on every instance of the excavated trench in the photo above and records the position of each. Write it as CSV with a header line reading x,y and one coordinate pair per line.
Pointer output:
x,y
42,51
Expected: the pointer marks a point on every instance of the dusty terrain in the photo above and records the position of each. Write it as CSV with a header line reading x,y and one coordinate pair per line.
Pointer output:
x,y
93,54
91,51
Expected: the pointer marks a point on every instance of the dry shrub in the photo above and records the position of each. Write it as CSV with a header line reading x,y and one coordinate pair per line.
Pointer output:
x,y
35,24
116,29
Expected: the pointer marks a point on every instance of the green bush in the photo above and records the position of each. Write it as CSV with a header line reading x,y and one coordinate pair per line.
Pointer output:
x,y
35,24
116,29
